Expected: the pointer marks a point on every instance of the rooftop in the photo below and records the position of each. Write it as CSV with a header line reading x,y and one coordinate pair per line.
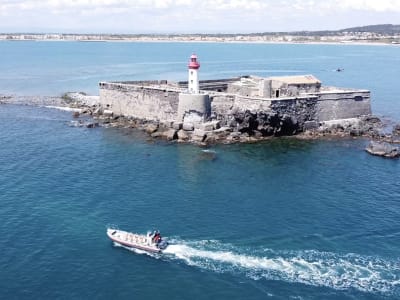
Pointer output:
x,y
298,79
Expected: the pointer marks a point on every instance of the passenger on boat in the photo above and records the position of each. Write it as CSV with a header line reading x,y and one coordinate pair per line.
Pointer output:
x,y
157,237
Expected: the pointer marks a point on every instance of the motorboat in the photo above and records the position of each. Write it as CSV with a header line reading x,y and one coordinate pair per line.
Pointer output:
x,y
151,242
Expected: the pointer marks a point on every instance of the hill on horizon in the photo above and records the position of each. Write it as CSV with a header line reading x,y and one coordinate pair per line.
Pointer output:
x,y
380,28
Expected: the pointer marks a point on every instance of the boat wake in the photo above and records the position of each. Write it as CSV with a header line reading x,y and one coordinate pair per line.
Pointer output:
x,y
350,271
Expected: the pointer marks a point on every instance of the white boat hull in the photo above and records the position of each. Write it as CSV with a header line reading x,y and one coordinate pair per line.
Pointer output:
x,y
132,240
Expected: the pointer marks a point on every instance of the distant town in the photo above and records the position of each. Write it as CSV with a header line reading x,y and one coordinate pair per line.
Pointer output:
x,y
381,34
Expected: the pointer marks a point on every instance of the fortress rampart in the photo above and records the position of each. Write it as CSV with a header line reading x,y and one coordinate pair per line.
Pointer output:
x,y
253,105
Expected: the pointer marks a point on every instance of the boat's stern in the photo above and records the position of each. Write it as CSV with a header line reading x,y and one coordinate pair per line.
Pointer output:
x,y
162,245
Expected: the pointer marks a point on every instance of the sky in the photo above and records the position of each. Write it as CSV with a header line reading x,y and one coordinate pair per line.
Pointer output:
x,y
192,16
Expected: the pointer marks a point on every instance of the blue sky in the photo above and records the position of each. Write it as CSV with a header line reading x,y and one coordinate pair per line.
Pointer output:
x,y
192,16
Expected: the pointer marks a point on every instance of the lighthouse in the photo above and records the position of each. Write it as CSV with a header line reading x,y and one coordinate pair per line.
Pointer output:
x,y
193,81
193,108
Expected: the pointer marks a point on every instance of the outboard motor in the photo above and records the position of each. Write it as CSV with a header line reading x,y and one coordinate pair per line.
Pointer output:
x,y
162,244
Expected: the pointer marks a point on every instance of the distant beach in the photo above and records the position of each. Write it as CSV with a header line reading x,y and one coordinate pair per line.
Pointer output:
x,y
344,39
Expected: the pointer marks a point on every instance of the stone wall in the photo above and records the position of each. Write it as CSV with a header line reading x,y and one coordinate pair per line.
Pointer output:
x,y
145,102
333,105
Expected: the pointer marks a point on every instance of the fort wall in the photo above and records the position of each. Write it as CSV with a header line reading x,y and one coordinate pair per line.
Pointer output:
x,y
162,101
143,101
334,105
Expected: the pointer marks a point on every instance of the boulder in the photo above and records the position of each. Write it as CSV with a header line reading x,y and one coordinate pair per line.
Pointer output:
x,y
223,129
92,125
177,125
108,113
171,134
182,135
151,128
157,134
209,126
98,111
206,126
383,149
199,135
168,124
396,129
188,126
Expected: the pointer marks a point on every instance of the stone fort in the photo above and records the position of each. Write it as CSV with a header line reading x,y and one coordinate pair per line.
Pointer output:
x,y
282,105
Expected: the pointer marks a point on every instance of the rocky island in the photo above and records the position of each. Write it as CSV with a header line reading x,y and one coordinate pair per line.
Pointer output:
x,y
241,109
229,110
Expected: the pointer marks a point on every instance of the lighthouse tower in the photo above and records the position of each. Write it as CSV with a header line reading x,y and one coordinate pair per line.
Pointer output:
x,y
193,108
193,82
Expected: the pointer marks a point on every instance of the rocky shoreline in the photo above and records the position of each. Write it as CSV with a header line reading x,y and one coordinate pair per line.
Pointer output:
x,y
244,128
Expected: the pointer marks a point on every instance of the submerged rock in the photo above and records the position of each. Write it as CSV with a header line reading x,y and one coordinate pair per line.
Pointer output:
x,y
383,149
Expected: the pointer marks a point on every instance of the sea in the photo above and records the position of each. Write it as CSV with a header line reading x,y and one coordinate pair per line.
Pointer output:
x,y
280,219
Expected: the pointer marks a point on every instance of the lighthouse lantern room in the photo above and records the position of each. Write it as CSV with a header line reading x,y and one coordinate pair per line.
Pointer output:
x,y
193,82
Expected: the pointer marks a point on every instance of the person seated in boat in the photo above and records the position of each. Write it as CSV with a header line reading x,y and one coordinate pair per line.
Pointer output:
x,y
157,237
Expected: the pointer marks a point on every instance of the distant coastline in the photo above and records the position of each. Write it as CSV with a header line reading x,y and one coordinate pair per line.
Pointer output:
x,y
347,39
382,34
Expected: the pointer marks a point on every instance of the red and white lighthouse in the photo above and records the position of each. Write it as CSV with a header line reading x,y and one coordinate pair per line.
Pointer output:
x,y
193,81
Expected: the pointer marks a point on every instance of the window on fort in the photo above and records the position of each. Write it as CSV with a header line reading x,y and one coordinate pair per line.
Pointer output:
x,y
277,93
191,81
358,98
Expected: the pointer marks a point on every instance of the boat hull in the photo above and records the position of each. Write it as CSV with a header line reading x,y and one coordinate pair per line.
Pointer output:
x,y
131,240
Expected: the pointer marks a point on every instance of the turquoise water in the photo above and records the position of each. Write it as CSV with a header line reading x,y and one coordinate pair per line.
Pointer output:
x,y
283,219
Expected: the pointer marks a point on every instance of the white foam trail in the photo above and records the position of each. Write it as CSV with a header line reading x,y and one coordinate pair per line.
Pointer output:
x,y
366,274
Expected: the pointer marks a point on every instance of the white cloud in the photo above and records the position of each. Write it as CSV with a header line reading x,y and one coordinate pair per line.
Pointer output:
x,y
370,5
195,15
211,5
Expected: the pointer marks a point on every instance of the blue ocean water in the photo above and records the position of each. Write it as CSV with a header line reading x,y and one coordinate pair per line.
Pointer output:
x,y
283,219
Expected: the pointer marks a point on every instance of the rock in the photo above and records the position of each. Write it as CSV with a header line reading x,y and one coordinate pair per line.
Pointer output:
x,y
108,113
223,129
233,137
177,125
206,126
199,135
188,126
211,138
98,111
157,134
209,126
372,120
257,134
168,124
383,149
310,125
92,125
76,114
182,135
355,132
396,129
171,134
151,128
